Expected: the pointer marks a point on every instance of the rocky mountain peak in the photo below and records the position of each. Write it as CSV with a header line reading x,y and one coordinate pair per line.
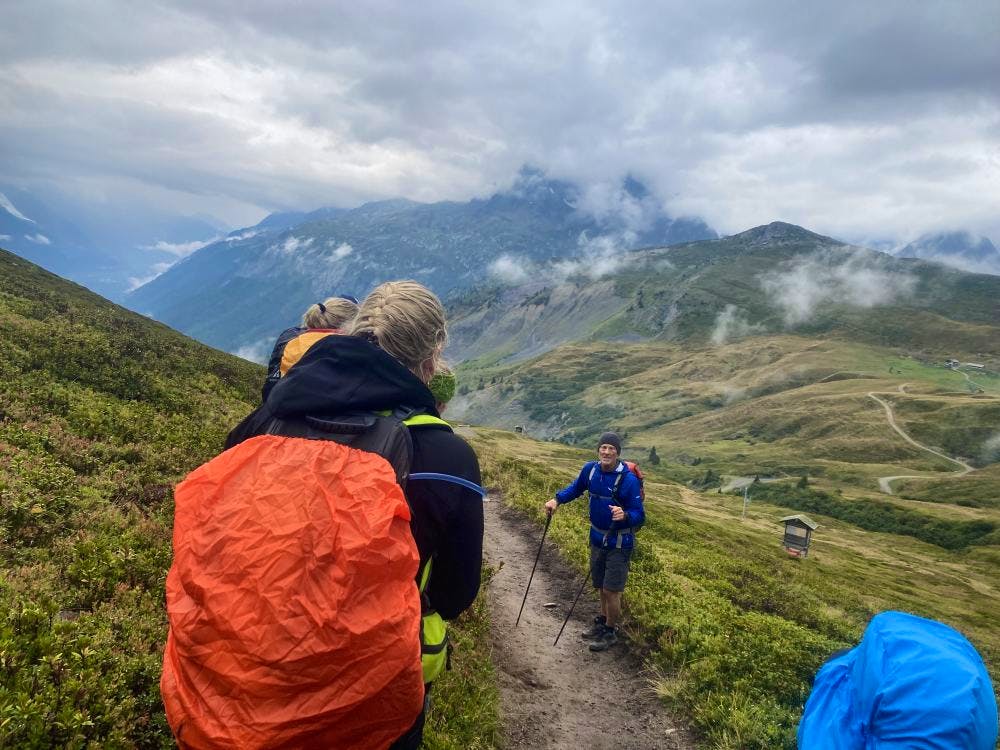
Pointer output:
x,y
780,232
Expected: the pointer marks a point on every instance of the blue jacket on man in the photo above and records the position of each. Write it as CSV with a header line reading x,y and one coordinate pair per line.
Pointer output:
x,y
603,531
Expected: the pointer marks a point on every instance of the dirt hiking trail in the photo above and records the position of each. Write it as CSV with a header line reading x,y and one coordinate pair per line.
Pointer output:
x,y
562,698
885,483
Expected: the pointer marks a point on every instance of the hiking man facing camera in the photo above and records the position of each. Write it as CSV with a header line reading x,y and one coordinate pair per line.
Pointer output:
x,y
616,512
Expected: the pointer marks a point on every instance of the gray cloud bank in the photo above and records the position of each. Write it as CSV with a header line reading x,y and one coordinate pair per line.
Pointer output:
x,y
849,118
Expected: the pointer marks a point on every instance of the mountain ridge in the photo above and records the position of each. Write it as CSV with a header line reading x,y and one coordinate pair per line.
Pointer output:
x,y
773,278
240,292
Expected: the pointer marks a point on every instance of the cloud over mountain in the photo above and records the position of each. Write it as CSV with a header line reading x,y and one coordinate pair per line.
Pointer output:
x,y
509,269
731,324
857,279
850,118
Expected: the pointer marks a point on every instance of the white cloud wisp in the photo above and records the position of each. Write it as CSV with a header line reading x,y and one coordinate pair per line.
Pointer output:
x,y
856,279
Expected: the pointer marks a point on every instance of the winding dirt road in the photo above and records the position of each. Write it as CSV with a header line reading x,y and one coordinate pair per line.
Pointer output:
x,y
885,483
562,697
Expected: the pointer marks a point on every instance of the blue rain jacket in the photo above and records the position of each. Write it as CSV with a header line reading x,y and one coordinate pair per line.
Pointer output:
x,y
911,684
603,531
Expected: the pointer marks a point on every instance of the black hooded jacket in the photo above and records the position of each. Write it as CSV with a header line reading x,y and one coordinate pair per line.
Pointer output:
x,y
341,374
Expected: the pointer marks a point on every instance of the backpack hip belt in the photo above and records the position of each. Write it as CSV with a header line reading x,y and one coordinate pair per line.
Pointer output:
x,y
608,532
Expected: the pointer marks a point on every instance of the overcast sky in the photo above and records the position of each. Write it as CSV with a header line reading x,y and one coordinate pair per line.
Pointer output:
x,y
858,119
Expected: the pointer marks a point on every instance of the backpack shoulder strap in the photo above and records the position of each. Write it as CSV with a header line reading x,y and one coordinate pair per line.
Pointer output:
x,y
422,419
618,482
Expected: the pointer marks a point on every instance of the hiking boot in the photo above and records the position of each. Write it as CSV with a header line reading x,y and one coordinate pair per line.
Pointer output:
x,y
600,622
607,639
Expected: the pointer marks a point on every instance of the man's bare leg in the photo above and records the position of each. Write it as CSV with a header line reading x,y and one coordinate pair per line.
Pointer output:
x,y
611,606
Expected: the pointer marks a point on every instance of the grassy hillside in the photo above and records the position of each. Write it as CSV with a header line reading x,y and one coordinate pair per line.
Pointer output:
x,y
752,354
736,628
763,404
101,412
772,279
781,407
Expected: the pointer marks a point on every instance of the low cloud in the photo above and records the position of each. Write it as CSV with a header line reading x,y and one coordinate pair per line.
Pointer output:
x,y
731,324
243,235
730,393
614,206
991,450
4,237
598,257
134,282
258,352
663,265
860,279
292,244
605,254
180,249
510,269
38,239
342,251
593,268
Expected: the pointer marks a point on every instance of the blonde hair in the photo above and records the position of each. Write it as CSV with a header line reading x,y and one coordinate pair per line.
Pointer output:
x,y
406,319
334,312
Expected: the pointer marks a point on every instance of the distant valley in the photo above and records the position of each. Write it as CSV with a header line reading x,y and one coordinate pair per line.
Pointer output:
x,y
108,248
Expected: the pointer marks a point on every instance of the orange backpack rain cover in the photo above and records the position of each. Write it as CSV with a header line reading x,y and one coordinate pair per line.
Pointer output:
x,y
294,612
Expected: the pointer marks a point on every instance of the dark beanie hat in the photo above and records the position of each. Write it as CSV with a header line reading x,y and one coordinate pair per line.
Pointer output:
x,y
610,438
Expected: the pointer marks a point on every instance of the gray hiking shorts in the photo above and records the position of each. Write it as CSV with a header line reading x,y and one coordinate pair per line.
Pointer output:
x,y
609,567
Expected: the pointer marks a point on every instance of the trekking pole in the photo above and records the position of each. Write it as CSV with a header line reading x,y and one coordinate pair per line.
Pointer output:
x,y
539,554
572,607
